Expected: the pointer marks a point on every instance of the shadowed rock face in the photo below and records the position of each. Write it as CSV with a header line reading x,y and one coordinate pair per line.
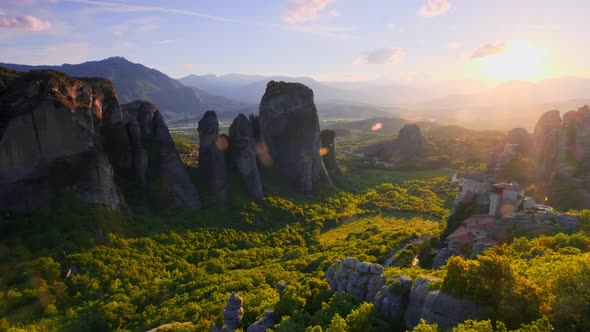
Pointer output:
x,y
408,146
62,135
290,128
140,145
212,163
522,138
50,127
329,153
545,153
575,141
243,154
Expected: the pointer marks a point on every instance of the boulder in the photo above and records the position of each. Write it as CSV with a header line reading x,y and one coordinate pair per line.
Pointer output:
x,y
50,140
290,129
545,152
329,153
268,321
362,280
416,301
392,300
242,147
441,258
212,162
232,314
448,311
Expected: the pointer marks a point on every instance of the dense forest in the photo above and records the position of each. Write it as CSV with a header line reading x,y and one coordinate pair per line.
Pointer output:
x,y
76,267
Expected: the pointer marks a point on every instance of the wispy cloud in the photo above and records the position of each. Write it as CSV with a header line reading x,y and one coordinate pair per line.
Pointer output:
x,y
334,13
118,7
434,8
121,7
325,30
30,23
298,11
488,50
166,41
381,56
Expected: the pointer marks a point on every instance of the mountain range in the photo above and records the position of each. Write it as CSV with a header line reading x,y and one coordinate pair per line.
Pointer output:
x,y
506,105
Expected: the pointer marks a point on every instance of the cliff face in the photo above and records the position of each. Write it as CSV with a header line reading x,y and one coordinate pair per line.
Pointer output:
x,y
55,135
545,153
289,127
574,146
329,153
242,148
212,161
50,140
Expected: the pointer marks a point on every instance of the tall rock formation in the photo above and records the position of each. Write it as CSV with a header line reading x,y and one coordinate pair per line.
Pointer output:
x,y
141,146
242,148
410,146
329,153
575,142
232,314
290,129
545,153
50,127
60,135
212,163
521,138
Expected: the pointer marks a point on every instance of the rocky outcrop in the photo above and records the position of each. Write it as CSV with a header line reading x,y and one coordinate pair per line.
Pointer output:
x,y
545,152
521,138
61,135
212,161
441,258
328,153
391,302
290,129
574,146
50,142
242,147
401,302
361,280
409,147
436,307
232,314
448,311
141,146
263,324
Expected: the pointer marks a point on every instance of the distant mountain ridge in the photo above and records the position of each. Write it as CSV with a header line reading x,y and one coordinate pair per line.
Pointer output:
x,y
135,81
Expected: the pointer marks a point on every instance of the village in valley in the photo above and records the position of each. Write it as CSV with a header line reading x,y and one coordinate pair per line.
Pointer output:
x,y
500,211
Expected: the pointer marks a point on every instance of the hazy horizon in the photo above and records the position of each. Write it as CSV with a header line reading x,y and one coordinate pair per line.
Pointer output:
x,y
414,43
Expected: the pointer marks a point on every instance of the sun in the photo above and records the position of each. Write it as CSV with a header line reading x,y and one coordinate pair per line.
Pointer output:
x,y
519,61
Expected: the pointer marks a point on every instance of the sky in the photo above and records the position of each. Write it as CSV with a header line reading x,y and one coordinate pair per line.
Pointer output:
x,y
329,40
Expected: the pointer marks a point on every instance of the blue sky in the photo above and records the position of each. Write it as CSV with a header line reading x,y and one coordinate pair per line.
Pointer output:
x,y
344,40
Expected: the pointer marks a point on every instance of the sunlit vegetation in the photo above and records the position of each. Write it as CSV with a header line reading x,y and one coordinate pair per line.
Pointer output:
x,y
74,267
